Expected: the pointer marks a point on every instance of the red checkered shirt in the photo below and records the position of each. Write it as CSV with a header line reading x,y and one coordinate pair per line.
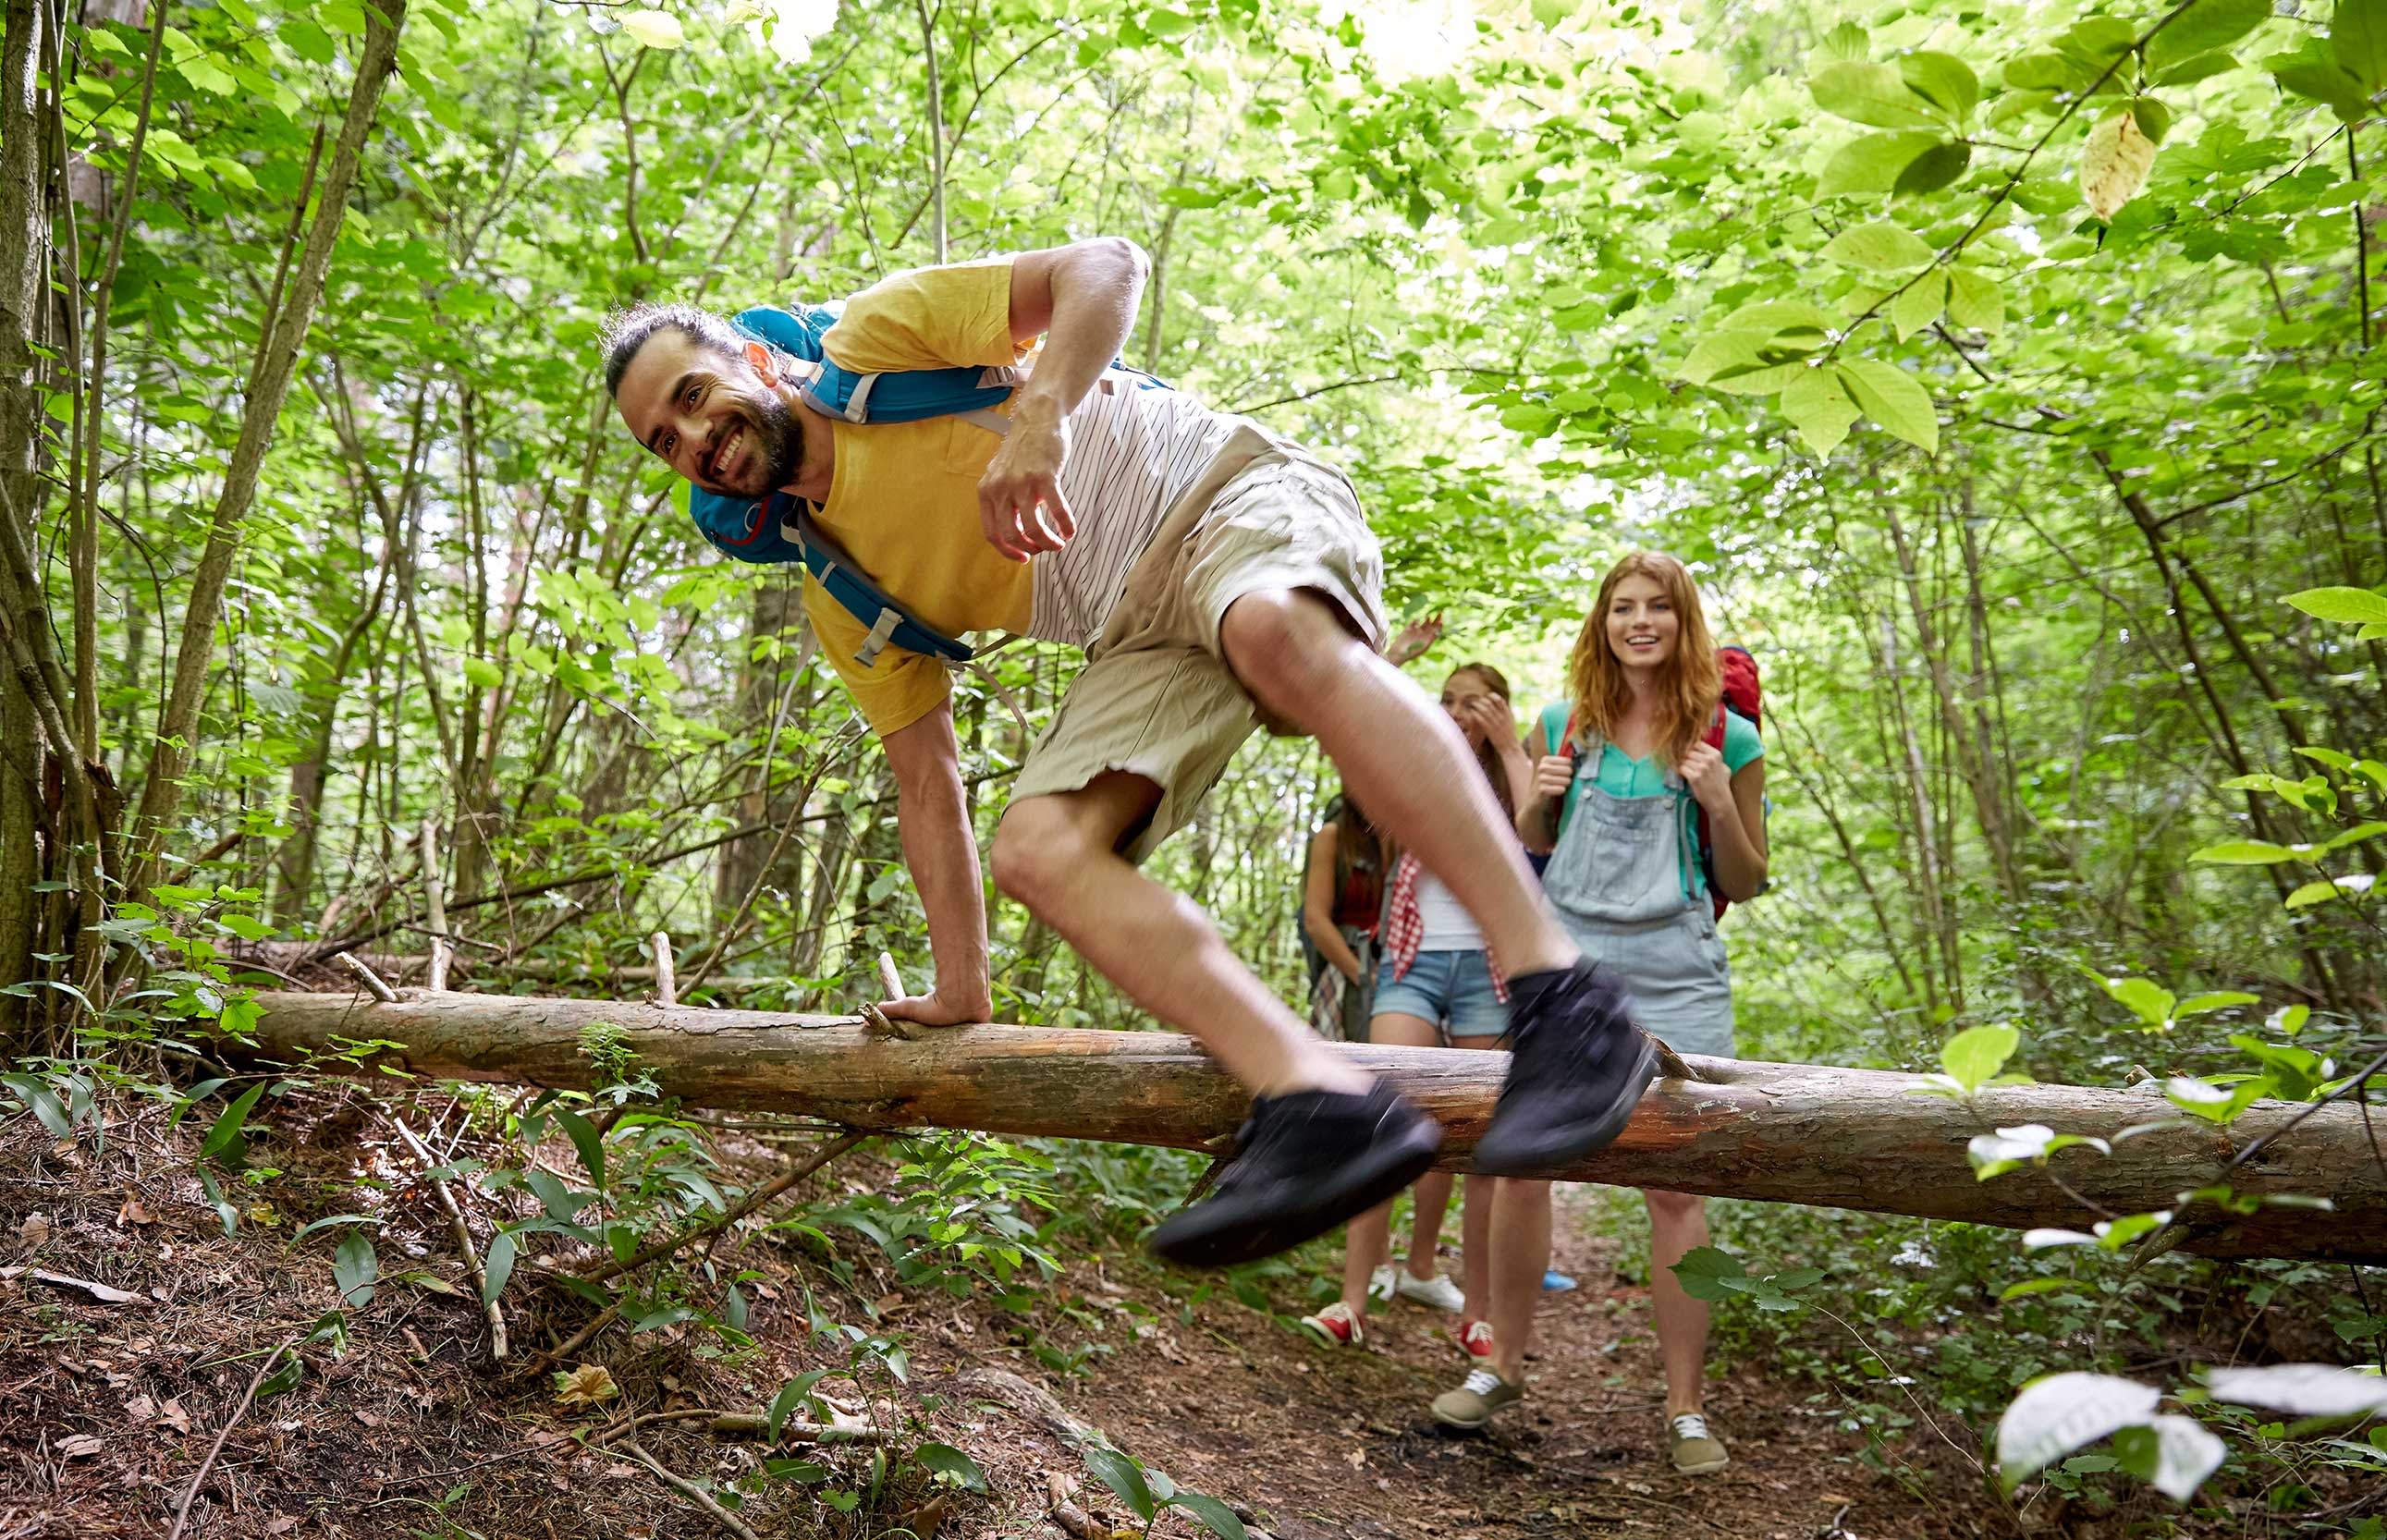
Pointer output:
x,y
1405,927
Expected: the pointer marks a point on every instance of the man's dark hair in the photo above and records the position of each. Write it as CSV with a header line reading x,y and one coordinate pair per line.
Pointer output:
x,y
626,330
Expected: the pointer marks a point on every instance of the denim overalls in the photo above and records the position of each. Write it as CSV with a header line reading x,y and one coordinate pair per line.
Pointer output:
x,y
1621,879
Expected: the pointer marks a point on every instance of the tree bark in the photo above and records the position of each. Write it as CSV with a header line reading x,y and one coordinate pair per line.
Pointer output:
x,y
178,729
1785,1133
24,256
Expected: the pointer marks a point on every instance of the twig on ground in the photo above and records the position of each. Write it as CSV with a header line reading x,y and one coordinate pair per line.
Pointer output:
x,y
666,978
752,1202
463,1236
748,1424
182,1510
692,1492
369,979
1072,1519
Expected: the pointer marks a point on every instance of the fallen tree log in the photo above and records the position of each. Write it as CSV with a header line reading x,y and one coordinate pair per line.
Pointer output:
x,y
1785,1133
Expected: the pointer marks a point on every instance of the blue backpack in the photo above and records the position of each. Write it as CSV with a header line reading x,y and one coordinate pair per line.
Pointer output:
x,y
780,527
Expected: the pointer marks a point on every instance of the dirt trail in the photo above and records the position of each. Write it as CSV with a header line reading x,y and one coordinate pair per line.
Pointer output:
x,y
1339,1442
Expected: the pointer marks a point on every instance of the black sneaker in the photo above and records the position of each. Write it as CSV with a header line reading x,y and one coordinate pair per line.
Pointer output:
x,y
1577,1069
1307,1161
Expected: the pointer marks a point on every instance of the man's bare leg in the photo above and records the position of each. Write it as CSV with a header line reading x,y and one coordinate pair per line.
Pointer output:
x,y
1403,759
1059,855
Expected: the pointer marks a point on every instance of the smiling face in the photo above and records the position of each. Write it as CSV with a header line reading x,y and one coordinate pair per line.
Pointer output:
x,y
710,417
1643,626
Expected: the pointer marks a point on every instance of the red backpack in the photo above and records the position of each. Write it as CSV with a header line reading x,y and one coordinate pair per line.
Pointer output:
x,y
1743,697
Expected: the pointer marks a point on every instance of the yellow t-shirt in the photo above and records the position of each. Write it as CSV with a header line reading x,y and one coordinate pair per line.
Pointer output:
x,y
903,498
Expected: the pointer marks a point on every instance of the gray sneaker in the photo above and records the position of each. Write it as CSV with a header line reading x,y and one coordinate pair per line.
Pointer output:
x,y
1472,1403
1695,1450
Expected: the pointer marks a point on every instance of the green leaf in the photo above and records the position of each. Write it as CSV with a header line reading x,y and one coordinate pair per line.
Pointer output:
x,y
1821,410
2326,83
1870,165
654,29
1944,81
42,1102
790,1396
1918,305
2242,853
1846,40
953,1465
1703,1270
2206,25
1216,1516
1785,320
2341,762
355,1267
2346,606
2312,893
1880,247
2046,73
2150,1002
223,1140
1933,170
498,1266
206,74
2153,117
2219,1000
1874,94
1123,1476
2031,1286
589,1142
1975,302
1718,351
2203,67
1973,1056
2354,836
306,40
1893,398
2357,38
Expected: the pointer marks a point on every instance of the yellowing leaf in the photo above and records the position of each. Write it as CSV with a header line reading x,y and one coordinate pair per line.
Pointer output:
x,y
586,1386
654,29
2114,164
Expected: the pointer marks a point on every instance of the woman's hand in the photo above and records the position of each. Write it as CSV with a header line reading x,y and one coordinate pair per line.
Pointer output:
x,y
1703,771
1485,720
1552,775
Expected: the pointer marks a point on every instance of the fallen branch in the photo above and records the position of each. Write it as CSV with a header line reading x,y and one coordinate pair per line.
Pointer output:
x,y
752,1202
692,1492
190,1494
463,1233
1785,1133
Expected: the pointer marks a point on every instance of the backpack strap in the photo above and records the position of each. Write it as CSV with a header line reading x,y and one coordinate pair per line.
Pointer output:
x,y
1714,739
856,593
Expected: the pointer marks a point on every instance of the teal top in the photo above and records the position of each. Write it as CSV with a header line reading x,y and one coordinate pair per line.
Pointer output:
x,y
1623,776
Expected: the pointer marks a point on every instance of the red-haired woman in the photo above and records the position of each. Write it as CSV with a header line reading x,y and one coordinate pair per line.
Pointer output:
x,y
1617,804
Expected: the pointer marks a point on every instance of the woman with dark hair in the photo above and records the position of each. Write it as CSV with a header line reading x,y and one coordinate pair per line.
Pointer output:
x,y
1632,770
1437,982
1343,898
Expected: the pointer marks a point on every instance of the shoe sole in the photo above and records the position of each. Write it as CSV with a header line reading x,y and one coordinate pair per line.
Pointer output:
x,y
1194,1239
1579,1139
1704,1468
1480,1423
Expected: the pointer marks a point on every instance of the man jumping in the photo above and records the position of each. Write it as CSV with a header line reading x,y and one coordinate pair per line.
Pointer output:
x,y
1218,577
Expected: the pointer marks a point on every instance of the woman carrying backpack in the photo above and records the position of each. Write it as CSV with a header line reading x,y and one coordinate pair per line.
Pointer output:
x,y
1649,794
1436,983
1342,898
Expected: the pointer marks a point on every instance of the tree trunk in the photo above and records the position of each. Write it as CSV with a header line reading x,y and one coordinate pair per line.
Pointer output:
x,y
178,730
24,254
1784,1133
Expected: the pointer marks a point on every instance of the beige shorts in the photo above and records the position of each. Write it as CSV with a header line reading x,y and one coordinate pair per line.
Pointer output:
x,y
1155,698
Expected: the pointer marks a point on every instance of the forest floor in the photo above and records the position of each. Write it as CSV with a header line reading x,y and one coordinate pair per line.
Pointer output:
x,y
111,1396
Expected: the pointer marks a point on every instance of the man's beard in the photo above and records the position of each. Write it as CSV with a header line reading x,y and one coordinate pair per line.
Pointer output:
x,y
777,450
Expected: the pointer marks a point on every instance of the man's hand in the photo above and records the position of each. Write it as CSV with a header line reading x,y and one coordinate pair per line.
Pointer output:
x,y
1019,504
1703,771
936,1009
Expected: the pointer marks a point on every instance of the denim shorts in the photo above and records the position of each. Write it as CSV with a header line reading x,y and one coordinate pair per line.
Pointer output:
x,y
1452,990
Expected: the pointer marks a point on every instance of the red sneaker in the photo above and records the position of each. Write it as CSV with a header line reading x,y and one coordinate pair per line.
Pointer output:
x,y
1338,1326
1475,1338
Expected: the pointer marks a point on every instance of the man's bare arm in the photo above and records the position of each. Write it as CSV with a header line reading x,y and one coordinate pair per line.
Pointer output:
x,y
940,848
1081,299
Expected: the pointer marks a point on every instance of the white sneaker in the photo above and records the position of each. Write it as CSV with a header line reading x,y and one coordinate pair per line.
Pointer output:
x,y
1437,1292
1379,1283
